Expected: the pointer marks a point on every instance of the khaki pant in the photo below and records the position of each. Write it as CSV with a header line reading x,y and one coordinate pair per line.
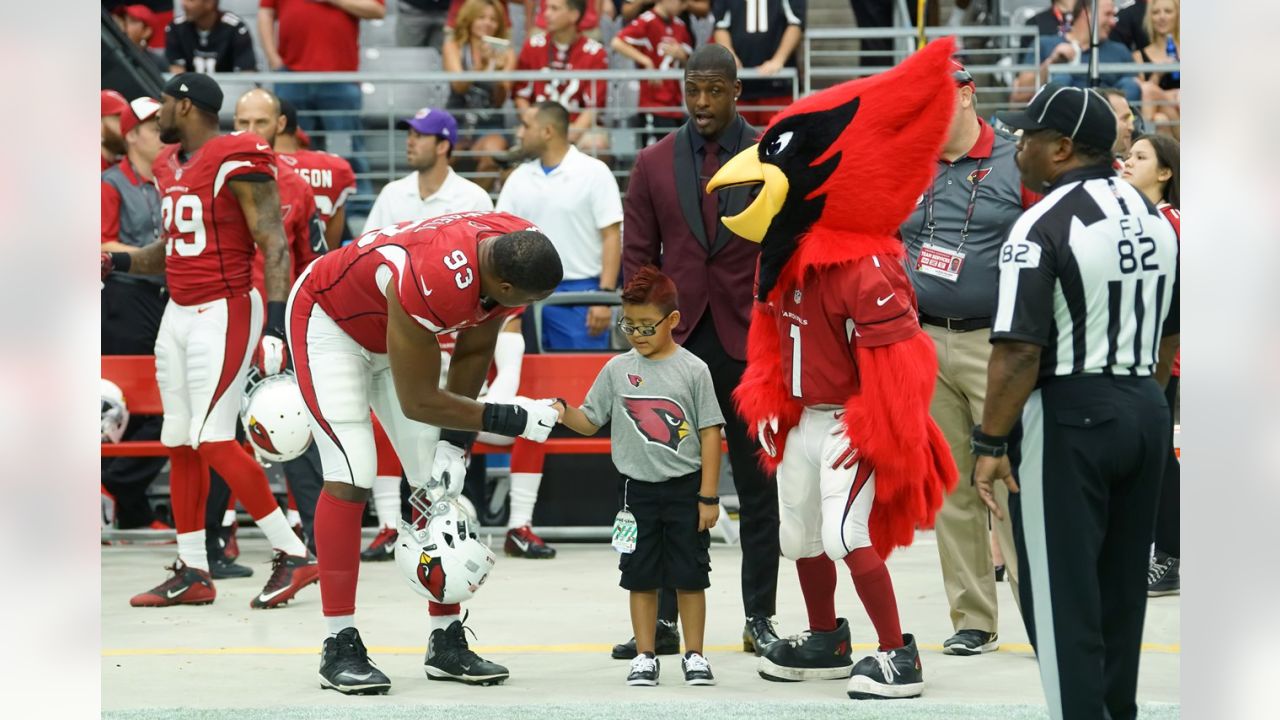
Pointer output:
x,y
964,545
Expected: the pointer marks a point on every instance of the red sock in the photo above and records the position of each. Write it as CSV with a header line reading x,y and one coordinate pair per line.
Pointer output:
x,y
527,456
188,488
337,530
244,476
875,589
818,585
435,609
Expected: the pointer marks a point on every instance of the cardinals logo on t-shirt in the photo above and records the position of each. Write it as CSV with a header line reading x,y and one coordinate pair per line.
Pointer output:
x,y
635,380
660,420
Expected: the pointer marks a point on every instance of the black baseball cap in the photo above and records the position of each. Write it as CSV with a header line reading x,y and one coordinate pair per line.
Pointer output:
x,y
1083,115
200,89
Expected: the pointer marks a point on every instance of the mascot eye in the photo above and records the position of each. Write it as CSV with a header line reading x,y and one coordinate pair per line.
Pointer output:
x,y
778,144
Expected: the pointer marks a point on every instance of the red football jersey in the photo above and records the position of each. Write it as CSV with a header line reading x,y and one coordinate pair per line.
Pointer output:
x,y
822,321
576,95
590,17
431,264
331,178
298,211
647,34
209,249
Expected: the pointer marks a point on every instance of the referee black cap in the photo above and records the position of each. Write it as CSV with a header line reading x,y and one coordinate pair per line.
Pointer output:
x,y
200,89
1082,115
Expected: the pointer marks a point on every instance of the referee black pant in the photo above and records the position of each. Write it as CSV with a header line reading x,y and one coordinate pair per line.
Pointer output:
x,y
1088,461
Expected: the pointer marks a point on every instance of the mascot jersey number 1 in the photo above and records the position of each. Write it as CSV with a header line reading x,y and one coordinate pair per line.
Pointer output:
x,y
839,374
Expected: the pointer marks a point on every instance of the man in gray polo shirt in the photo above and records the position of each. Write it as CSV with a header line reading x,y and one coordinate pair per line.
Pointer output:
x,y
953,238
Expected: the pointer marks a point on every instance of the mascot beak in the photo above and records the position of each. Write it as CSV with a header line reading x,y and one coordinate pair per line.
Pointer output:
x,y
745,168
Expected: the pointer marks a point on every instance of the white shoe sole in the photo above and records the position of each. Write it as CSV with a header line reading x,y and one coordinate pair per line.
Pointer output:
x,y
1163,593
642,683
864,688
434,673
370,689
699,682
967,651
779,673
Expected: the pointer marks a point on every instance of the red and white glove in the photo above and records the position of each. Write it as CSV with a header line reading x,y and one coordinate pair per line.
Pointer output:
x,y
271,357
767,434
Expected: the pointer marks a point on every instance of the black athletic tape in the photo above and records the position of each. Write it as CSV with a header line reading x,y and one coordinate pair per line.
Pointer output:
x,y
458,438
504,419
275,319
121,262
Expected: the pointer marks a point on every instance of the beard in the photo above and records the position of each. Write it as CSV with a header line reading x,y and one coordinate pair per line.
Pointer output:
x,y
113,142
168,136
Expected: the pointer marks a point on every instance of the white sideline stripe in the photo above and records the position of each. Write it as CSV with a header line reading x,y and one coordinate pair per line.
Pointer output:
x,y
1031,482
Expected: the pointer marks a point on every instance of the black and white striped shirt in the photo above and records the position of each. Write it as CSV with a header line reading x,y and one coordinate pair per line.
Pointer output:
x,y
1090,273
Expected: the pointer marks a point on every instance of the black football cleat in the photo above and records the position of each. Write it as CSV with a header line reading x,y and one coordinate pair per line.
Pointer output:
x,y
450,658
345,666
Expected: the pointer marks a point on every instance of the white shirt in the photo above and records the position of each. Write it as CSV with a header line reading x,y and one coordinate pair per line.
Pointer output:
x,y
400,200
571,204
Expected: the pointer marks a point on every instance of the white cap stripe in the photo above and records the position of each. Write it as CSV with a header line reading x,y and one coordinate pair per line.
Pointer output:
x,y
1084,107
1049,102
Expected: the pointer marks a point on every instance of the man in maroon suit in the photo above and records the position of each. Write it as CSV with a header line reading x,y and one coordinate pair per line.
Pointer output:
x,y
672,222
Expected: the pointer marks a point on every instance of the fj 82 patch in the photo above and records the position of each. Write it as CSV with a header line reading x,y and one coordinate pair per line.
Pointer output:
x,y
1020,254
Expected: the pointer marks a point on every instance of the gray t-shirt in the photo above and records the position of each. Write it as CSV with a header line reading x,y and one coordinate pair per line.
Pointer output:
x,y
657,408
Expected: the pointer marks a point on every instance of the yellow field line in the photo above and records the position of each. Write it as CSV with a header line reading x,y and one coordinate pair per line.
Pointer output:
x,y
592,648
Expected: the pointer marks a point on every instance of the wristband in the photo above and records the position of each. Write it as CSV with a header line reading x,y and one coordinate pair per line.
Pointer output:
x,y
458,438
121,262
275,318
714,500
504,419
988,445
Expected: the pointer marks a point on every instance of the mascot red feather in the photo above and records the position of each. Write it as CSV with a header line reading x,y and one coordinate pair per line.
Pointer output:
x,y
839,375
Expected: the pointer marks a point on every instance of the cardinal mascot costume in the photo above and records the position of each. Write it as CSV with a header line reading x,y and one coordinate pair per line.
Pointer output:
x,y
839,374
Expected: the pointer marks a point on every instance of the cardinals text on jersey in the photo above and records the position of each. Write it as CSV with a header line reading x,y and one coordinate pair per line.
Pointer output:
x,y
208,247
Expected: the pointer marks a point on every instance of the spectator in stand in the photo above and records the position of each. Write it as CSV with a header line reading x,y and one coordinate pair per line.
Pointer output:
x,y
696,16
1073,52
114,106
208,40
161,16
1054,20
133,304
478,105
1153,168
563,47
331,177
1124,124
515,10
657,40
589,23
1162,89
136,21
433,188
421,23
1128,30
320,36
766,47
574,199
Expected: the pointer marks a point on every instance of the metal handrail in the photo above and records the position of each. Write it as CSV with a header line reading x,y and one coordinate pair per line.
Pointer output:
x,y
402,77
585,297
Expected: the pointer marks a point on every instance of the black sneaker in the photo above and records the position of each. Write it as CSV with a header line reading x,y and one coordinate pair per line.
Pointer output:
x,y
697,671
758,634
892,674
971,642
345,666
644,671
666,642
383,546
808,656
222,567
1162,576
449,658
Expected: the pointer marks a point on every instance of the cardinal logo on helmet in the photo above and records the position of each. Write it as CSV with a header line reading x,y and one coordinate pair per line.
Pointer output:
x,y
260,436
659,420
431,574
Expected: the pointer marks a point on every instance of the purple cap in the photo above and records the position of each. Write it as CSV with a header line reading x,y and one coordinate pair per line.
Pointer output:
x,y
432,121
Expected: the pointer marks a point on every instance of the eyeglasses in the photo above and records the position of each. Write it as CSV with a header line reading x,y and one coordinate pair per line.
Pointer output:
x,y
642,330
962,78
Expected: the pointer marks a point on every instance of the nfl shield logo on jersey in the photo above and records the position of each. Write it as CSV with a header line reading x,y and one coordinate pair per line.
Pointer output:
x,y
796,297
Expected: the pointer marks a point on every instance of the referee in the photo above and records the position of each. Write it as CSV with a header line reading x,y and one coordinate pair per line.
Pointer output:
x,y
1087,305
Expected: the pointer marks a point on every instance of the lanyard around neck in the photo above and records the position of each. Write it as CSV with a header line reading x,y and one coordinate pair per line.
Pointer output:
x,y
931,225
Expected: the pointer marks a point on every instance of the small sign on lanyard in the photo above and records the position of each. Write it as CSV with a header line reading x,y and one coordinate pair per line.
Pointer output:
x,y
624,532
940,262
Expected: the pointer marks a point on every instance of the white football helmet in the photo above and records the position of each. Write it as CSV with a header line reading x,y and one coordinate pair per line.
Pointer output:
x,y
115,414
275,418
443,561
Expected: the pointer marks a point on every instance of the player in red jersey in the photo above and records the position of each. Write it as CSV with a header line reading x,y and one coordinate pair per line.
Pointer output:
x,y
219,204
364,327
563,47
258,111
658,40
331,177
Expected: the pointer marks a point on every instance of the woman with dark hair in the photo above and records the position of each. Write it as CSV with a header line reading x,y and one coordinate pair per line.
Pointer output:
x,y
480,43
1152,168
